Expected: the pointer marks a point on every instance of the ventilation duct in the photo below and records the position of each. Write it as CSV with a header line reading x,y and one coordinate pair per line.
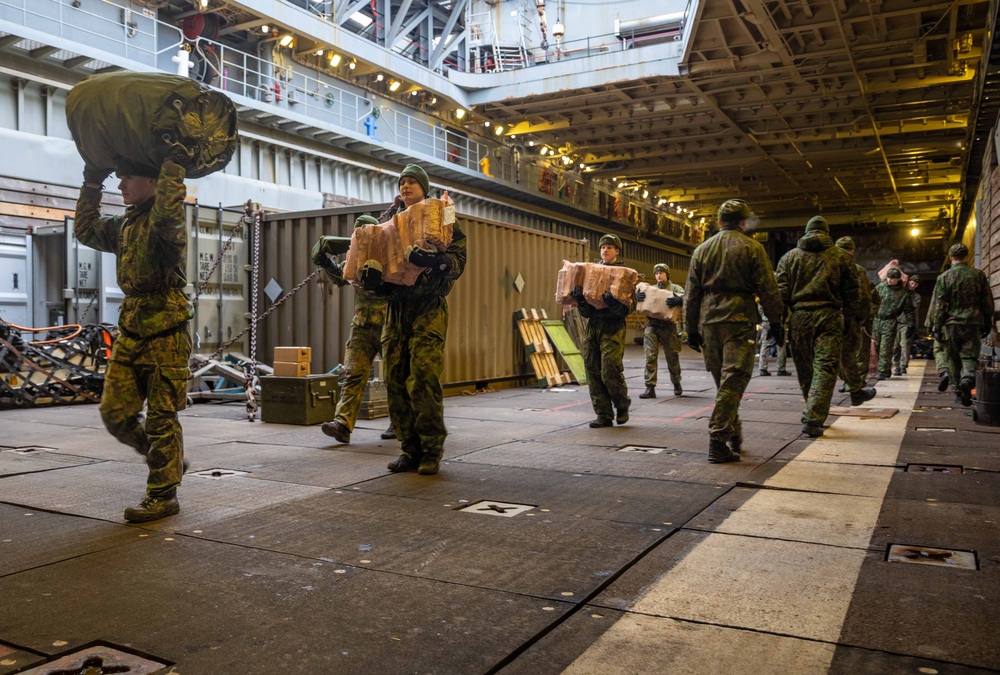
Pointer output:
x,y
653,28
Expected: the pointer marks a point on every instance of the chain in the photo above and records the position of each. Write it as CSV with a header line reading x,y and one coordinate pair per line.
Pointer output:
x,y
87,308
250,369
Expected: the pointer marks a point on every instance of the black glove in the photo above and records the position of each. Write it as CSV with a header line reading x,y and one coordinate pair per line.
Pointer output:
x,y
675,301
936,334
640,296
95,176
986,332
910,330
777,333
609,299
319,257
371,275
436,262
577,294
695,340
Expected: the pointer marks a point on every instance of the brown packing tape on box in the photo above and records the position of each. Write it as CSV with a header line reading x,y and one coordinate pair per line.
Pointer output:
x,y
595,279
293,354
655,304
428,224
291,369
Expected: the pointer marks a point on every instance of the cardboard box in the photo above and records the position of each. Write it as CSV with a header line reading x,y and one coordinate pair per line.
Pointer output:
x,y
596,279
289,369
293,354
428,224
298,400
655,304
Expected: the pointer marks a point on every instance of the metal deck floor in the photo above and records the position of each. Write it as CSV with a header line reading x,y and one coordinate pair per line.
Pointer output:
x,y
316,560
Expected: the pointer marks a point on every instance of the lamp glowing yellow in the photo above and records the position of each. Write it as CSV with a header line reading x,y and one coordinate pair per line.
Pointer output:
x,y
914,232
285,40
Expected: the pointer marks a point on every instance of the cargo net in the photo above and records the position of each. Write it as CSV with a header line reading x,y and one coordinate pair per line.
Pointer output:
x,y
67,367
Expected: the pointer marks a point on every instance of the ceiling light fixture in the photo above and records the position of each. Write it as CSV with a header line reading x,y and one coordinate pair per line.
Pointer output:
x,y
285,40
379,77
498,129
334,59
459,113
394,85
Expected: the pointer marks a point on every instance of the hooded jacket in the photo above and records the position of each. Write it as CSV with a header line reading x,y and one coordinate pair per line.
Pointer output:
x,y
818,275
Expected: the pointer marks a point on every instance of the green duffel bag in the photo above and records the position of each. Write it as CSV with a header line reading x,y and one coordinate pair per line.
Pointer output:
x,y
131,122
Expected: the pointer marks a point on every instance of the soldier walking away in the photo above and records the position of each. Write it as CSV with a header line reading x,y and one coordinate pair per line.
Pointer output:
x,y
662,332
604,346
895,309
901,353
362,346
940,354
727,271
854,368
963,315
413,339
149,362
766,344
818,283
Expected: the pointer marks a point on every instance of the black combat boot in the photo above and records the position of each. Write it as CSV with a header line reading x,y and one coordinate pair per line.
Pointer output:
x,y
719,453
649,393
736,444
388,434
784,373
403,463
622,417
812,430
897,372
601,422
429,463
678,390
843,388
337,430
764,372
859,397
153,508
943,384
965,392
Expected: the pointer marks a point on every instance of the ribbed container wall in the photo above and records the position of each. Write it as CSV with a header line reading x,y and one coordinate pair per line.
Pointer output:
x,y
483,342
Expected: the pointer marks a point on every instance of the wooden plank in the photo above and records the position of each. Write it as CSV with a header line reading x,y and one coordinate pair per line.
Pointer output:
x,y
567,348
37,212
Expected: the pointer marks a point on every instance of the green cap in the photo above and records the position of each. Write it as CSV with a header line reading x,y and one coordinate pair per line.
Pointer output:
x,y
914,278
416,172
661,267
846,243
894,273
817,224
733,211
365,220
959,251
611,239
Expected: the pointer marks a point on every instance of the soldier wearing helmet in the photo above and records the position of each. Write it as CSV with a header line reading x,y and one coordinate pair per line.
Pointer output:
x,y
895,310
604,346
720,312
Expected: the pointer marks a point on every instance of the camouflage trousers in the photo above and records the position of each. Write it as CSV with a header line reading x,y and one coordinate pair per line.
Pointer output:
x,y
765,348
153,370
850,358
653,337
365,342
865,351
940,357
901,350
885,339
816,337
728,351
602,356
961,352
413,349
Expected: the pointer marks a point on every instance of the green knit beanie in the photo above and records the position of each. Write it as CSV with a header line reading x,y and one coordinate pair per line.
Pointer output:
x,y
417,173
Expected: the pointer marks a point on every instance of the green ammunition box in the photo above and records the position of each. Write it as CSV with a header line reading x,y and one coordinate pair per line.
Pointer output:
x,y
298,400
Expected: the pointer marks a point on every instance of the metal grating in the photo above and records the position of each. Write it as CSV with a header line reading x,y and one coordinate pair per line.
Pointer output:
x,y
926,555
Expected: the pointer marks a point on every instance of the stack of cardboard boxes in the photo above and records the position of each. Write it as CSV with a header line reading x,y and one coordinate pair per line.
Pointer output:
x,y
292,361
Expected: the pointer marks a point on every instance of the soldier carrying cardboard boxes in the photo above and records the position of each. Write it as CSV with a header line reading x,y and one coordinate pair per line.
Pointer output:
x,y
661,328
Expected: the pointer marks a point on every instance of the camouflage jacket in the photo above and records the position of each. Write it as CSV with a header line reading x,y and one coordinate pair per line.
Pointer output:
x,y
610,319
676,290
818,275
150,241
369,307
962,295
915,299
895,303
727,270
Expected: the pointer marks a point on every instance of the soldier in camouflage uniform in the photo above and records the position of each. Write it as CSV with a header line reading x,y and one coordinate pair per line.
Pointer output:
x,y
901,353
818,283
604,346
940,353
895,309
963,316
661,332
727,270
149,362
765,348
855,352
414,337
362,346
